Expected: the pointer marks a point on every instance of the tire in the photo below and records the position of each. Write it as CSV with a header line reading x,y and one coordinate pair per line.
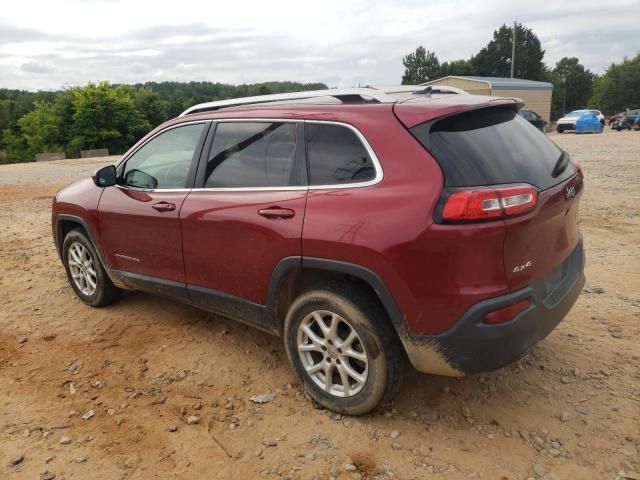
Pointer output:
x,y
559,130
375,341
76,245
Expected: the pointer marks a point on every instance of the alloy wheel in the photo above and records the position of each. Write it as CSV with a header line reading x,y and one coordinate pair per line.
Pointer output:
x,y
82,268
332,353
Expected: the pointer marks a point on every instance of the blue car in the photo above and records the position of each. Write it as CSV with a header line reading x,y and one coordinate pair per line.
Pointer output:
x,y
588,122
568,122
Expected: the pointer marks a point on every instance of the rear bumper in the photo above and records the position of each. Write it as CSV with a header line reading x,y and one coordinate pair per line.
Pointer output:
x,y
472,346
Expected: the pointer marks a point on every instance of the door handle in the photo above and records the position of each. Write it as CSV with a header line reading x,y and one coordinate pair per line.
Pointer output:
x,y
164,206
277,213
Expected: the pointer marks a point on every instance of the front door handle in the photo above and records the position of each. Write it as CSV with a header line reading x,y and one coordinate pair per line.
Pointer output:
x,y
164,206
277,213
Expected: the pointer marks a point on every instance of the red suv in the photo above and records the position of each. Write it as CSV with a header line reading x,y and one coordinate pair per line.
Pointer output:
x,y
365,227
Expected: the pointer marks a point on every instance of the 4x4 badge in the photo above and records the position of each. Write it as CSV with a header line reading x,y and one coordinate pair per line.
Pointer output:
x,y
570,192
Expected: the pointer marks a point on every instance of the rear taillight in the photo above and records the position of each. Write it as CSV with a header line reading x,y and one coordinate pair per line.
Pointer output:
x,y
507,313
486,203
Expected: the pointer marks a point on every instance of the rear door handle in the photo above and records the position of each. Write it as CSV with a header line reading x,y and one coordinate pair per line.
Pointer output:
x,y
277,212
164,206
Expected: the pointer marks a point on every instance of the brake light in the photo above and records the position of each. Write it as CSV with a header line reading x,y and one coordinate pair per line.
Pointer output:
x,y
507,313
486,203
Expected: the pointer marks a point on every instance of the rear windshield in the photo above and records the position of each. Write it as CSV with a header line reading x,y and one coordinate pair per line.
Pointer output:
x,y
493,146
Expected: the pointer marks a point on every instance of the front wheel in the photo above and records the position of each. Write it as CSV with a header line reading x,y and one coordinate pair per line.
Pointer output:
x,y
342,348
84,270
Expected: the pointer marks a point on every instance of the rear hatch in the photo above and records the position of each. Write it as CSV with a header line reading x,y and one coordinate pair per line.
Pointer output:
x,y
496,148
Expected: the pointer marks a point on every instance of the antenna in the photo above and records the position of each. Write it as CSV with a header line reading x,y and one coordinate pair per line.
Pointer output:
x,y
513,49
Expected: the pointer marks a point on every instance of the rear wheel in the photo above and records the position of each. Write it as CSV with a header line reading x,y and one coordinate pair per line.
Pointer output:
x,y
342,348
85,272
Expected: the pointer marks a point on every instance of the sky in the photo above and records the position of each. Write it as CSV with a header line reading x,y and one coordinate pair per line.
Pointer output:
x,y
55,43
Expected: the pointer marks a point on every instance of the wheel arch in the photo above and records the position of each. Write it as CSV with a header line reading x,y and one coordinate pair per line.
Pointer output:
x,y
293,275
64,223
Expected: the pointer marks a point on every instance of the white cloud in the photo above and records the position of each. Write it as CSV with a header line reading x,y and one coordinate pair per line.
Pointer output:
x,y
336,42
37,67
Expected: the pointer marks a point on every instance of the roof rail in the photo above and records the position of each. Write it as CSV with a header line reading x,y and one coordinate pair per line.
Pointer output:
x,y
439,89
347,95
391,89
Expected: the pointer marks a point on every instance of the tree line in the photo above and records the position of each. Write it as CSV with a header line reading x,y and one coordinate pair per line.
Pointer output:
x,y
106,116
574,86
115,116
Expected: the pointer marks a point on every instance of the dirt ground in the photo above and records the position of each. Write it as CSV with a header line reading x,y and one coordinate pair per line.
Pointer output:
x,y
569,410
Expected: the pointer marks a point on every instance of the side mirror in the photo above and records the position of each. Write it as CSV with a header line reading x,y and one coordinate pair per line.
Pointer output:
x,y
105,177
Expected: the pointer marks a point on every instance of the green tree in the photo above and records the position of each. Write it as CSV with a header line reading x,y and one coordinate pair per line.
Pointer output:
x,y
420,66
40,128
106,117
456,67
16,149
572,86
619,87
494,60
151,106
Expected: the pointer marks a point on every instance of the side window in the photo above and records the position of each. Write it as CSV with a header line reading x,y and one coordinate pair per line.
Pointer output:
x,y
164,161
253,154
337,156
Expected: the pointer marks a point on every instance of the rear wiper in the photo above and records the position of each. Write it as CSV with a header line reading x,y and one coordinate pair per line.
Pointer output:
x,y
561,165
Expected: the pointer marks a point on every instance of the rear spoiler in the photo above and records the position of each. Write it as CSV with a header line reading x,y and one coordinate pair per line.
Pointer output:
x,y
422,109
425,127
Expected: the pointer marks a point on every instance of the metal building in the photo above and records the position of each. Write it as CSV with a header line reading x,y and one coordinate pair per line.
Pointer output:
x,y
535,95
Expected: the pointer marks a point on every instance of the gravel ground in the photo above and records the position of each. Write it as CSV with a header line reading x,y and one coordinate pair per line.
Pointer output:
x,y
149,388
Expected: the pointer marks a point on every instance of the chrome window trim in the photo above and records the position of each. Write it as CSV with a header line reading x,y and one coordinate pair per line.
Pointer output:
x,y
257,120
153,190
374,159
253,189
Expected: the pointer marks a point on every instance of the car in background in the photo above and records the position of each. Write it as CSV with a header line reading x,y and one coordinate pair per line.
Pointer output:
x,y
589,123
623,119
533,118
614,117
568,122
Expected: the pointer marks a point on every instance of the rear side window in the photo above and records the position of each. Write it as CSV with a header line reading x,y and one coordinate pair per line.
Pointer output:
x,y
492,146
253,154
337,156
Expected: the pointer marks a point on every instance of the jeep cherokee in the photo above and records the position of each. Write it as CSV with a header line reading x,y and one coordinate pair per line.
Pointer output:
x,y
366,227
